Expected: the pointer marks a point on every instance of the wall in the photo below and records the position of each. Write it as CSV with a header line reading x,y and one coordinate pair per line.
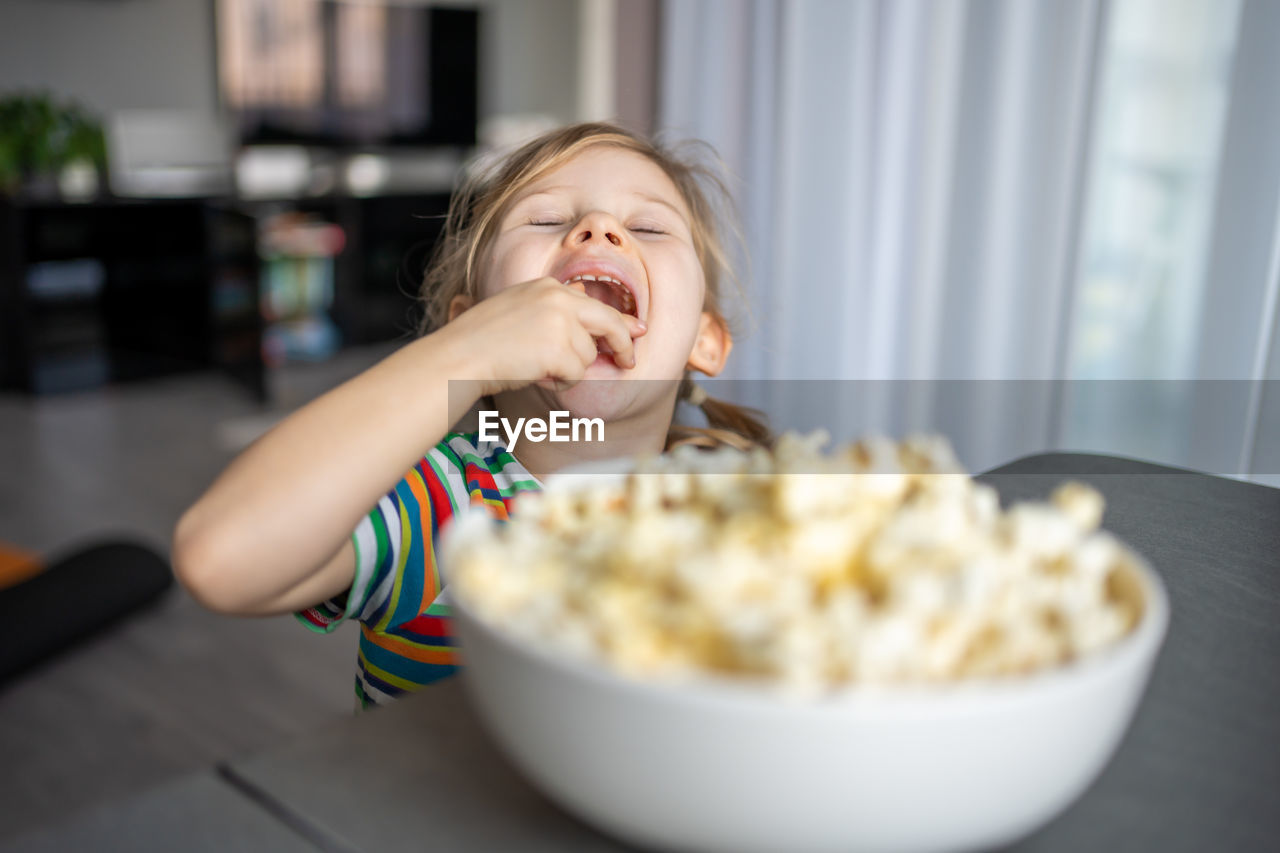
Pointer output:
x,y
530,57
158,54
111,54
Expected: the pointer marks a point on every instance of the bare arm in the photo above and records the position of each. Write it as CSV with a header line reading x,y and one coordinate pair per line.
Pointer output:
x,y
272,534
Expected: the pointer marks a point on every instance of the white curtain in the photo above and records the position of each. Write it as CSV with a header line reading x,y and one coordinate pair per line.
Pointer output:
x,y
914,184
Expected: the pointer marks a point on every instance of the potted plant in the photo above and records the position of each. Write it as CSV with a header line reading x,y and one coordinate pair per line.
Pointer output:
x,y
44,144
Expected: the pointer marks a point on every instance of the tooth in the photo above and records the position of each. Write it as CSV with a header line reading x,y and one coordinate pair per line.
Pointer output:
x,y
587,277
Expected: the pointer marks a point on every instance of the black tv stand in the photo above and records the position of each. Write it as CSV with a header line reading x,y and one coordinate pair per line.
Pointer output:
x,y
119,290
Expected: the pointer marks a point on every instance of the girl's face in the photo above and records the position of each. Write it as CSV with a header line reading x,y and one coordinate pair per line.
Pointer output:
x,y
614,212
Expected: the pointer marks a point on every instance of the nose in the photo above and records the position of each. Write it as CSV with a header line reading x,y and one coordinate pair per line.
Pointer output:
x,y
597,225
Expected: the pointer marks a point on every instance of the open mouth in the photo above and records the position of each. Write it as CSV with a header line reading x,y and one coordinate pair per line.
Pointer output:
x,y
610,291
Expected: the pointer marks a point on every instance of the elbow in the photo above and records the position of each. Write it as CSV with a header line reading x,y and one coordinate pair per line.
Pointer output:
x,y
204,569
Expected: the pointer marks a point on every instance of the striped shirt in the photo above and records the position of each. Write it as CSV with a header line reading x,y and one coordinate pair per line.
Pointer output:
x,y
405,637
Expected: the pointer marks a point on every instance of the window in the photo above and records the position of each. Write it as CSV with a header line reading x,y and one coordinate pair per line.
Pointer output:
x,y
1158,131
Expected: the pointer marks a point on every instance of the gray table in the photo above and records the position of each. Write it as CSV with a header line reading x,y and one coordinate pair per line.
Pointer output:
x,y
199,813
1199,769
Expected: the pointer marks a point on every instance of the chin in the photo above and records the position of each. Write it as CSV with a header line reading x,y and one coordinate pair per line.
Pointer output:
x,y
601,394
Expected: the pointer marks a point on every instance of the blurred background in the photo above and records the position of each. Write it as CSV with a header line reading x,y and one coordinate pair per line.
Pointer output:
x,y
1026,224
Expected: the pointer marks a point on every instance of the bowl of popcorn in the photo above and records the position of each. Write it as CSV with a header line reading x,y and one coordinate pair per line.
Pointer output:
x,y
803,650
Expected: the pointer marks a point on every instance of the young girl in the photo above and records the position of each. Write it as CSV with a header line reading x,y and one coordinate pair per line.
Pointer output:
x,y
588,253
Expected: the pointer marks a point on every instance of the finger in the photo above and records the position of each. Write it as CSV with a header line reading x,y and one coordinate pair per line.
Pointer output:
x,y
584,346
605,321
635,324
571,370
551,383
567,368
611,325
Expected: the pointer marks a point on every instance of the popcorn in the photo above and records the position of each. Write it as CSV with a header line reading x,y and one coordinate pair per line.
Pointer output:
x,y
881,562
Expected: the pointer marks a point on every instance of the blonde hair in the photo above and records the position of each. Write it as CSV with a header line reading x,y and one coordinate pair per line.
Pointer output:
x,y
484,196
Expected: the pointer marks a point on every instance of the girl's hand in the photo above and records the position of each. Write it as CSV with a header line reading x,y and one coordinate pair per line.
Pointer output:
x,y
541,330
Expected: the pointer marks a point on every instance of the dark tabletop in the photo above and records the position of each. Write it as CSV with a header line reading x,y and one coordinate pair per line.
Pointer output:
x,y
1200,767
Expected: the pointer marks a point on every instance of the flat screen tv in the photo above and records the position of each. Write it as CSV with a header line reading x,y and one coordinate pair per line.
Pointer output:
x,y
347,73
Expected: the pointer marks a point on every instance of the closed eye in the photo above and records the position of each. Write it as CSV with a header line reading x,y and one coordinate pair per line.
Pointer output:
x,y
648,230
531,222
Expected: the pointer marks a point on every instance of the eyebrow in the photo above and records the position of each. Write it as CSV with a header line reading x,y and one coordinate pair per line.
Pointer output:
x,y
656,200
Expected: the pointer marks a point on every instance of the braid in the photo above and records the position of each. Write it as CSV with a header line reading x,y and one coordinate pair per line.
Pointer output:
x,y
727,424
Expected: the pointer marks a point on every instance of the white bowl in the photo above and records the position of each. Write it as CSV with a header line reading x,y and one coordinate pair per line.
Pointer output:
x,y
723,766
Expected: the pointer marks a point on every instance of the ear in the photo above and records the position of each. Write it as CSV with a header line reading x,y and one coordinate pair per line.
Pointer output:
x,y
712,346
458,304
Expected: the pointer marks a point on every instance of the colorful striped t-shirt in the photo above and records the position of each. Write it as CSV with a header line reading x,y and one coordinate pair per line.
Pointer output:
x,y
405,638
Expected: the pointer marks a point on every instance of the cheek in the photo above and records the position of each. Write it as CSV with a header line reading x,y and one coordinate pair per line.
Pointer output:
x,y
508,266
679,311
495,276
682,305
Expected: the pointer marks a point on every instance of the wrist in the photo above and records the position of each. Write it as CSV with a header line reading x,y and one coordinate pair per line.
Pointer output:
x,y
468,378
